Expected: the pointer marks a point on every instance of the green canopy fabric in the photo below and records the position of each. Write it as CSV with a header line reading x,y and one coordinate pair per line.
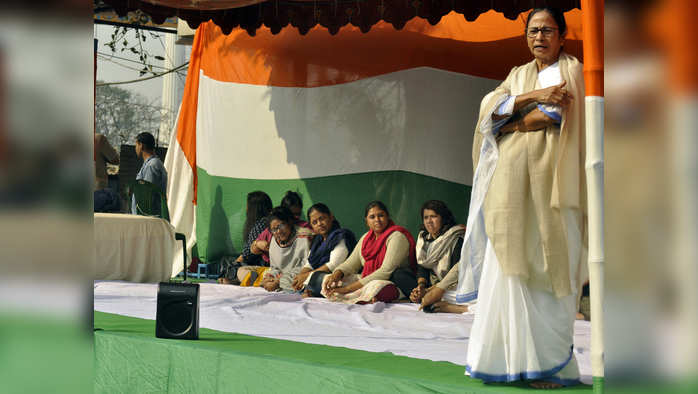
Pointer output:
x,y
128,358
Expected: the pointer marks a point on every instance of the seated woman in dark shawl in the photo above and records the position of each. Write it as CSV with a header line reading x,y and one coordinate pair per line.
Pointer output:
x,y
328,250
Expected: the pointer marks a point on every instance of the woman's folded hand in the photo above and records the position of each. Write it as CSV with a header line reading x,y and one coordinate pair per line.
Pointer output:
x,y
432,296
417,293
334,280
259,246
300,279
271,283
555,95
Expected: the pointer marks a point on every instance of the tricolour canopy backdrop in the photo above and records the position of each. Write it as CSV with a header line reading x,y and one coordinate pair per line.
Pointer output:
x,y
342,119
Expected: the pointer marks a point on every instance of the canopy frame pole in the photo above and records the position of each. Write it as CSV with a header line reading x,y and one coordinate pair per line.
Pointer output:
x,y
592,20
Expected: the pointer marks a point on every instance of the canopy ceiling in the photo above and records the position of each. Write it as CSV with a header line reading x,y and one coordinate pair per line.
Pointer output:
x,y
331,14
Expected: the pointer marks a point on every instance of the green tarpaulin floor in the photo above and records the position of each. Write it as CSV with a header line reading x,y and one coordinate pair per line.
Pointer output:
x,y
129,359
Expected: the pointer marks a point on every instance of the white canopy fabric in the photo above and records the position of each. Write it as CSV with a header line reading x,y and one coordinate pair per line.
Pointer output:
x,y
396,328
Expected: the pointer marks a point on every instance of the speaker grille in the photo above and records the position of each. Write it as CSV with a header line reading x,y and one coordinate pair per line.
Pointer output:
x,y
178,316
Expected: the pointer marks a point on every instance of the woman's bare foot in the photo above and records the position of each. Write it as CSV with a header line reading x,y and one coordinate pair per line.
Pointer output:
x,y
539,384
224,281
307,293
445,307
580,316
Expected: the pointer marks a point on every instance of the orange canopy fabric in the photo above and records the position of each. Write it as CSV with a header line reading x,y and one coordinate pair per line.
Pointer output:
x,y
488,47
303,15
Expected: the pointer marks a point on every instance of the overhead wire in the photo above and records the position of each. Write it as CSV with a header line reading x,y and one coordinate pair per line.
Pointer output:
x,y
117,63
108,56
164,49
146,78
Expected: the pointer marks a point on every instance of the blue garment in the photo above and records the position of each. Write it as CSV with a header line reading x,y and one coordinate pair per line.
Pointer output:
x,y
154,172
553,114
106,200
320,249
506,109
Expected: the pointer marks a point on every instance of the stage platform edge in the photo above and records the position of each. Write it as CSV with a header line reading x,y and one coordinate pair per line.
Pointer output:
x,y
129,359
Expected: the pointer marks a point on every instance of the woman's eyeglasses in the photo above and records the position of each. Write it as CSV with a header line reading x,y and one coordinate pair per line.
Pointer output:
x,y
547,31
277,228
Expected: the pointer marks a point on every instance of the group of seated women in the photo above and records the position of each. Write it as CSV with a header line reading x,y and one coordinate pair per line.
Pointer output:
x,y
319,258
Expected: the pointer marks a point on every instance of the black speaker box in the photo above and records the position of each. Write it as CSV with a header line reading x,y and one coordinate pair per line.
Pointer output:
x,y
177,311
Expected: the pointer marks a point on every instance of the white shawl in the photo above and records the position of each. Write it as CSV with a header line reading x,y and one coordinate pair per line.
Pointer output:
x,y
437,255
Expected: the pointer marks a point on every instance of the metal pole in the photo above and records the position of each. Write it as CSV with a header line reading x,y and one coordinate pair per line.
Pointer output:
x,y
592,19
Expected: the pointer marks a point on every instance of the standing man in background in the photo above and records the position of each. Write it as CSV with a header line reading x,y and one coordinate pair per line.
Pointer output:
x,y
152,170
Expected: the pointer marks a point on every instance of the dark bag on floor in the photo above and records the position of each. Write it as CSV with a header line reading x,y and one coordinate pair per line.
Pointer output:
x,y
228,268
315,283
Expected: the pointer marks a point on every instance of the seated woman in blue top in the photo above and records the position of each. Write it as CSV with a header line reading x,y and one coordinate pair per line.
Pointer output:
x,y
329,248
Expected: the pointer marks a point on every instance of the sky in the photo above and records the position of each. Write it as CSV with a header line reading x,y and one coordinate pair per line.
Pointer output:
x,y
124,66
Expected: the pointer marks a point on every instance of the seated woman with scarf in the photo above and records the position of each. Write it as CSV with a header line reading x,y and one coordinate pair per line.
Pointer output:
x,y
439,246
329,248
288,249
385,249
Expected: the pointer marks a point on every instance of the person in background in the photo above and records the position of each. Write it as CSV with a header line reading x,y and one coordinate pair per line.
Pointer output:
x,y
379,253
152,170
438,251
329,248
105,199
258,207
292,201
104,153
288,250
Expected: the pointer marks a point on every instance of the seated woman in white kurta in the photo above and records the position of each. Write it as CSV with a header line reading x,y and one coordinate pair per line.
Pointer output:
x,y
527,211
384,250
288,249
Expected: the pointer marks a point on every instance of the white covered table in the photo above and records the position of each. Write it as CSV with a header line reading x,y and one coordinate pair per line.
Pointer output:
x,y
135,248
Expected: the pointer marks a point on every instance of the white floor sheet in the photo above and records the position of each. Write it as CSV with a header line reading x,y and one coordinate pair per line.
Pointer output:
x,y
396,328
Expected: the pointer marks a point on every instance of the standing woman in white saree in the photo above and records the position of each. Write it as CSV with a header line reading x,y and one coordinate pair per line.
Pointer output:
x,y
527,230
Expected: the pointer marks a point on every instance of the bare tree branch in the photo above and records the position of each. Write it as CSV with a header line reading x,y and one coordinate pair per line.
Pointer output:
x,y
121,114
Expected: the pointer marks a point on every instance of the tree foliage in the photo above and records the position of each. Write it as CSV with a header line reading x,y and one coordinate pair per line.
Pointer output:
x,y
130,37
119,43
121,114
